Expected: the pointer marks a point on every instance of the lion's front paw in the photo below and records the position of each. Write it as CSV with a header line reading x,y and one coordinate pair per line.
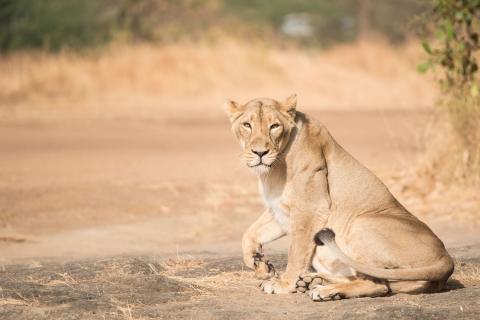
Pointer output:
x,y
263,268
325,293
277,286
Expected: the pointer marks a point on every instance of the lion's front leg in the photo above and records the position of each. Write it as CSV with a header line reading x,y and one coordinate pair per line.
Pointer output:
x,y
264,230
300,254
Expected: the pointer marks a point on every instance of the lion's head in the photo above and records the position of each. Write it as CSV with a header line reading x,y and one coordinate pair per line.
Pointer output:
x,y
263,128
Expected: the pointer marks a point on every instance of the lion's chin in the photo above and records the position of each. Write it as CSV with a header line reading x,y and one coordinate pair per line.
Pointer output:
x,y
261,169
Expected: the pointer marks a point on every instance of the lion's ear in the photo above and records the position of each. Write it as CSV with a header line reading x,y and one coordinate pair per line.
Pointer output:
x,y
232,109
289,105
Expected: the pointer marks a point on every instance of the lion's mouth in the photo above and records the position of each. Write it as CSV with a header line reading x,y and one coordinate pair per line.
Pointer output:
x,y
260,164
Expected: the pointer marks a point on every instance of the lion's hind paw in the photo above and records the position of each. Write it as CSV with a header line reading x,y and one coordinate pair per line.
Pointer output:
x,y
325,293
307,281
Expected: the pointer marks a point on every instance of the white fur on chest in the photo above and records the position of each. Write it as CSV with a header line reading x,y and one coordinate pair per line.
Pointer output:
x,y
279,215
273,200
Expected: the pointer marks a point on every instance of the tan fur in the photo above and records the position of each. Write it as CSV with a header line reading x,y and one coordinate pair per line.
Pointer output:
x,y
309,182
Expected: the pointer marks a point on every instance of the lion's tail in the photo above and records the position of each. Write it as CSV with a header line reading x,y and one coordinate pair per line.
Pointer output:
x,y
441,270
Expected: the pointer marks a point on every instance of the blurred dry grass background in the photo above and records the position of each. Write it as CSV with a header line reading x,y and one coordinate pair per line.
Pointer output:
x,y
191,79
166,58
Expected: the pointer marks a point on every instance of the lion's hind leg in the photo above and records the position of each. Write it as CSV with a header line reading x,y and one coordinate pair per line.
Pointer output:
x,y
354,289
416,287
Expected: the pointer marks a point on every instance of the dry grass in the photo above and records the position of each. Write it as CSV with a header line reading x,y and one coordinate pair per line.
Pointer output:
x,y
449,156
447,168
11,301
67,280
233,281
125,310
174,78
178,263
467,273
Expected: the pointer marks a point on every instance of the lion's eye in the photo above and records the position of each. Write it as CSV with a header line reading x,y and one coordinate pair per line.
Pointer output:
x,y
274,126
247,125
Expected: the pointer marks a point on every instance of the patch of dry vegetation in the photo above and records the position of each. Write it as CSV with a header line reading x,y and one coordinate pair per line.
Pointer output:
x,y
446,176
179,263
117,288
467,273
454,150
196,77
11,301
450,159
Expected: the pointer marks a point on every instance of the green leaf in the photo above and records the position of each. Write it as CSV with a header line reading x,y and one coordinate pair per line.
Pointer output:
x,y
449,30
423,67
426,47
467,17
440,34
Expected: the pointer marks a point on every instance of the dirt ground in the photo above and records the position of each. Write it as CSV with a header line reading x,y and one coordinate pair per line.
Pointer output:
x,y
123,218
212,287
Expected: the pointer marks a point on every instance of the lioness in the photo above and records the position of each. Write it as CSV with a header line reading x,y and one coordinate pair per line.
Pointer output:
x,y
343,220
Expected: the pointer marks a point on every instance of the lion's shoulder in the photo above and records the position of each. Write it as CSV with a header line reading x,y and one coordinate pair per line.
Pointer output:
x,y
312,131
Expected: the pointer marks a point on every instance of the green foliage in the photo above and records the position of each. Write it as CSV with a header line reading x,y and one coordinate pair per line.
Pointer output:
x,y
456,27
333,21
456,30
163,20
50,24
55,24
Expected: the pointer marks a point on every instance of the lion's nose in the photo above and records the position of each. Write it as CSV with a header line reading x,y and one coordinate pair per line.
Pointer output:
x,y
260,153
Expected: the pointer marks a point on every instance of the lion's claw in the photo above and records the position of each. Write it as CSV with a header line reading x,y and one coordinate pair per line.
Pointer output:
x,y
263,268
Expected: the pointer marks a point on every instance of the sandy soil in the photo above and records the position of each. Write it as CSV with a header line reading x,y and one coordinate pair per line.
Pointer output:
x,y
108,184
91,211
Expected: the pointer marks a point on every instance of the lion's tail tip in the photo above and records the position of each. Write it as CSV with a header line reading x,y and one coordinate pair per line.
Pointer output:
x,y
324,236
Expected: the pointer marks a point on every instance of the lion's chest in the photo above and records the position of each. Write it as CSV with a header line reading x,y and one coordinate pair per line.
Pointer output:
x,y
280,215
274,201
